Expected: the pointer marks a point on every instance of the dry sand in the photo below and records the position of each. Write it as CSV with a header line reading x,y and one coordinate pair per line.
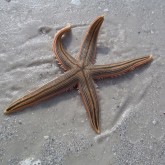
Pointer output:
x,y
57,132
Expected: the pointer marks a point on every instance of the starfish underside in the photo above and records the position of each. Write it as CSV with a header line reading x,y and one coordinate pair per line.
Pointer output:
x,y
80,72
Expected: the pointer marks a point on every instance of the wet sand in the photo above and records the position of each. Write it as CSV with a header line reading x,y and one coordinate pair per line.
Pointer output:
x,y
57,131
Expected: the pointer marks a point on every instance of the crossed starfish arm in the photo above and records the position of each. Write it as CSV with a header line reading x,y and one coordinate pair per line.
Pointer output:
x,y
87,51
87,91
88,47
63,57
120,68
55,87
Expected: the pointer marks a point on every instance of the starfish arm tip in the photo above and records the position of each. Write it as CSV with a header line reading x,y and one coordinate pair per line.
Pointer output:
x,y
151,56
98,131
101,17
6,112
68,25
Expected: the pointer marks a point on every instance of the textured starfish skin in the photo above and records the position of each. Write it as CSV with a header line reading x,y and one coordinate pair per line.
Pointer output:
x,y
81,72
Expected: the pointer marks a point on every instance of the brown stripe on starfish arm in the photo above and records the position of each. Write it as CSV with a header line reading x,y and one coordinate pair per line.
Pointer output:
x,y
88,47
88,93
117,69
65,59
57,86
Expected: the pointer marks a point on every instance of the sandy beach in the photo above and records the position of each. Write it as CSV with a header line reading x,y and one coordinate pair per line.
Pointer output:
x,y
58,131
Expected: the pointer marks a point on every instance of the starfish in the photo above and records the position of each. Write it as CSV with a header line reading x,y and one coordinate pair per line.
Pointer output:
x,y
80,72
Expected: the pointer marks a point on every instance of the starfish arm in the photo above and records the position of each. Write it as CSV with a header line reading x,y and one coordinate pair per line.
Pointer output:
x,y
88,48
64,59
117,69
57,86
88,93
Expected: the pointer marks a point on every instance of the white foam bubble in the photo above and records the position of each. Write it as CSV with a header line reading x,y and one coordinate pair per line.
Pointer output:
x,y
30,161
75,2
